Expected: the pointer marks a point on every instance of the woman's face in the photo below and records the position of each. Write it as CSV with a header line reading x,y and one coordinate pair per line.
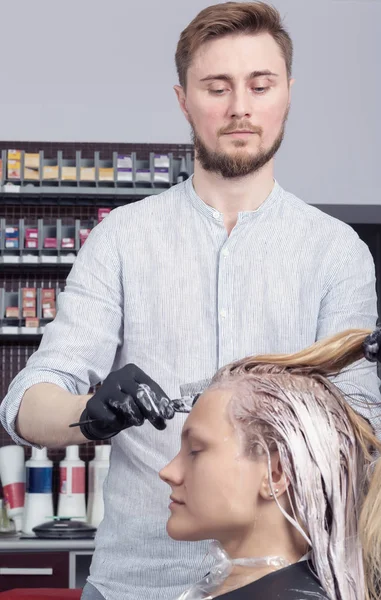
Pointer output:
x,y
215,488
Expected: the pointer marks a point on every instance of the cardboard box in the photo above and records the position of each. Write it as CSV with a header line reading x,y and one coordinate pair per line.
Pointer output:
x,y
31,243
161,175
31,232
50,172
48,303
32,160
87,174
32,322
14,164
124,161
161,160
29,303
50,243
12,232
14,169
11,243
28,312
31,166
106,174
124,167
48,293
12,312
67,243
31,174
143,175
28,293
69,174
102,213
124,174
49,313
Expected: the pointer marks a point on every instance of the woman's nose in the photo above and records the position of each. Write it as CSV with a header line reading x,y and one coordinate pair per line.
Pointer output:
x,y
172,472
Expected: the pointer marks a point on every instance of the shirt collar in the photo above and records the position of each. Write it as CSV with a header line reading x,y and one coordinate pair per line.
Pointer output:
x,y
215,215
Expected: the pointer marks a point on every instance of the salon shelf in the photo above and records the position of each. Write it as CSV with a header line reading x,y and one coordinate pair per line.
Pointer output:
x,y
37,261
21,333
17,543
136,178
77,190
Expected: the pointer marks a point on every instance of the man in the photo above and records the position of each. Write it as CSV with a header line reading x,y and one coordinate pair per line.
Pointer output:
x,y
222,266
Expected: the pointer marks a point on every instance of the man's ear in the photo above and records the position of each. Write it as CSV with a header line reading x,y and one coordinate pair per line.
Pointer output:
x,y
180,93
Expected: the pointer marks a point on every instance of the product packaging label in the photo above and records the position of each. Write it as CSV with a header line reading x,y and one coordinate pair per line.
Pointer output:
x,y
14,494
39,480
72,480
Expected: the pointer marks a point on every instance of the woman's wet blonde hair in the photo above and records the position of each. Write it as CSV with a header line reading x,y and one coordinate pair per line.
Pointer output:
x,y
329,453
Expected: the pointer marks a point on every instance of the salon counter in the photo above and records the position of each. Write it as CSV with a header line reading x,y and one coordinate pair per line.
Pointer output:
x,y
35,563
29,544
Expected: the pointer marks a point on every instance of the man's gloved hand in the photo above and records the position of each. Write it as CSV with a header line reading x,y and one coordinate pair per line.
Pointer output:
x,y
126,398
372,346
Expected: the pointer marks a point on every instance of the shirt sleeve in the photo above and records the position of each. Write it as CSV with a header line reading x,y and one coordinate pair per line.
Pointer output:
x,y
350,302
78,348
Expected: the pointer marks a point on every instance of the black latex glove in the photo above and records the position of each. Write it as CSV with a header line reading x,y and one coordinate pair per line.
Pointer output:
x,y
372,346
126,398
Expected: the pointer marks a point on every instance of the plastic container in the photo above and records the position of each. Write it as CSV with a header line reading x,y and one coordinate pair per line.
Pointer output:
x,y
98,469
12,475
38,497
71,499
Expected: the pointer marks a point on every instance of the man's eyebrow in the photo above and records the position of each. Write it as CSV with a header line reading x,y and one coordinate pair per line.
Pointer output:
x,y
226,77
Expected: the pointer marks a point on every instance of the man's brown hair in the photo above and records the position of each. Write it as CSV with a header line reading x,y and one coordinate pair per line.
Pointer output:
x,y
231,18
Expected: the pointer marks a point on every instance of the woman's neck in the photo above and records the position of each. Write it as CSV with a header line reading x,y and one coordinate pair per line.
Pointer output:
x,y
280,539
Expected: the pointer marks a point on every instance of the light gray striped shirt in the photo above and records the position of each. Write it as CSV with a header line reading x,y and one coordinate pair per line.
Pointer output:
x,y
159,283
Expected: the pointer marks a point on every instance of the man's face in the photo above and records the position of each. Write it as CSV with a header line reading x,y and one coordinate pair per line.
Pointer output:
x,y
236,101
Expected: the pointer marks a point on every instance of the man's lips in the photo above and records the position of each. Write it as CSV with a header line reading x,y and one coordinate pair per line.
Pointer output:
x,y
239,132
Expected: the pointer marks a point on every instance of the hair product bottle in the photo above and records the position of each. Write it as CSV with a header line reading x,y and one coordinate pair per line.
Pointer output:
x,y
38,498
98,469
71,499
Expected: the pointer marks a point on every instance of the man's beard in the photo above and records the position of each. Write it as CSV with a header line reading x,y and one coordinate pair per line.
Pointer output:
x,y
238,164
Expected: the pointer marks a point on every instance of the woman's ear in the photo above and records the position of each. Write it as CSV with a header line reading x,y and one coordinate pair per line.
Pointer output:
x,y
276,485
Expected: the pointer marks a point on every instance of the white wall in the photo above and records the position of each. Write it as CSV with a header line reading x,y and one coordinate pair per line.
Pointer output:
x,y
71,71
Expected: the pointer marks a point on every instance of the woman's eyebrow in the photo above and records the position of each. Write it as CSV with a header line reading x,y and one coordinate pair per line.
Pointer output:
x,y
192,432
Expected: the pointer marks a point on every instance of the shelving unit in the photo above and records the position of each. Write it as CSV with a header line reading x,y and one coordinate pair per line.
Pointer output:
x,y
145,178
59,208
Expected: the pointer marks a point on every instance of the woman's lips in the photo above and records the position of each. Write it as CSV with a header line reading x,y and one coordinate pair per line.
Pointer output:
x,y
175,502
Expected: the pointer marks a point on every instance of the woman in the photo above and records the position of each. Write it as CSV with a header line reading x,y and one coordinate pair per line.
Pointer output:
x,y
276,466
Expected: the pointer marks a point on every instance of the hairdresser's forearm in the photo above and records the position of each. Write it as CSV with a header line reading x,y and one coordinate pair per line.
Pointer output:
x,y
45,414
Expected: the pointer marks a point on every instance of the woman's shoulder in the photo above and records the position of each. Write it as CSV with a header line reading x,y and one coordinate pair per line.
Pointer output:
x,y
296,582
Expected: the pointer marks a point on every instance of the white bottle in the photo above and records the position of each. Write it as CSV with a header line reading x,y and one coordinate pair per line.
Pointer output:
x,y
12,474
98,469
38,497
71,499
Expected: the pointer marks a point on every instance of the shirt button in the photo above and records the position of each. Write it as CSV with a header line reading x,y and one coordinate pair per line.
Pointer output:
x,y
225,252
223,313
216,215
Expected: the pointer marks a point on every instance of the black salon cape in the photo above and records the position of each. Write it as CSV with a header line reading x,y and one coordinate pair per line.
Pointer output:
x,y
296,582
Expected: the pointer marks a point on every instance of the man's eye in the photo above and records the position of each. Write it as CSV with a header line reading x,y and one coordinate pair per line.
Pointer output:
x,y
217,92
261,90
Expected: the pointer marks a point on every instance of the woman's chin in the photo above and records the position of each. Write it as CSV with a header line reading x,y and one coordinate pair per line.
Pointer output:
x,y
183,534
